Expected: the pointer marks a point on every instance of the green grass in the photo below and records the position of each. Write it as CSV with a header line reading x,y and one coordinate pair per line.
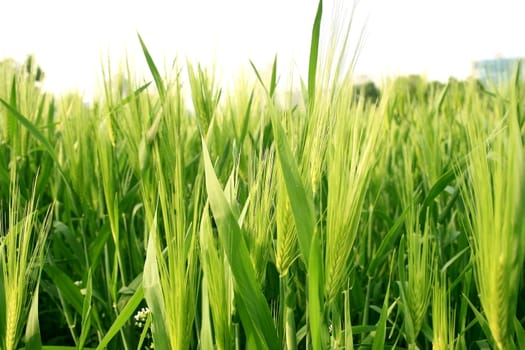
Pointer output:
x,y
250,219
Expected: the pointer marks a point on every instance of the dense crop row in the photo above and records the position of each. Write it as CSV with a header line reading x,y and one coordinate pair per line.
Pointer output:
x,y
261,221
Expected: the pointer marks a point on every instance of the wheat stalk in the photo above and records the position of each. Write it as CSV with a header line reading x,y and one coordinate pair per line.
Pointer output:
x,y
493,194
21,254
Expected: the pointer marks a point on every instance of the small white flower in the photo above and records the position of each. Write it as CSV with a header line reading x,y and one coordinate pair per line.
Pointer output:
x,y
140,322
141,316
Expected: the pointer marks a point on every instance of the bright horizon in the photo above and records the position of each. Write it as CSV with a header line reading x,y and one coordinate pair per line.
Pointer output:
x,y
438,39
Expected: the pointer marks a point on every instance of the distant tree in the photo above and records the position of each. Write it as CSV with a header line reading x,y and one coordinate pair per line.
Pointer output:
x,y
369,91
412,87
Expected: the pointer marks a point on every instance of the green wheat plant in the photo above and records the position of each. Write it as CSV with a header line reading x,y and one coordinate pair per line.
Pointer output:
x,y
176,210
218,286
259,220
172,284
286,241
22,249
417,274
493,194
443,318
351,157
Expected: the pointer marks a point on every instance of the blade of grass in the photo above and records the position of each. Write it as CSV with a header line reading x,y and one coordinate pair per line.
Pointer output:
x,y
387,244
259,78
129,98
314,52
300,200
380,336
153,292
520,333
318,330
154,71
349,336
86,312
273,79
3,306
246,120
12,126
206,337
66,287
124,316
33,339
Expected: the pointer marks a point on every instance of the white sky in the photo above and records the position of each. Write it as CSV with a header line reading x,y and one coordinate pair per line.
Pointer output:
x,y
438,38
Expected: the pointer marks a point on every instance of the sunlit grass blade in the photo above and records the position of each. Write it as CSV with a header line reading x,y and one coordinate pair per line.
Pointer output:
x,y
380,335
349,336
301,201
129,98
318,329
217,293
153,292
86,312
259,78
246,120
32,337
273,79
314,53
3,304
205,336
154,71
12,125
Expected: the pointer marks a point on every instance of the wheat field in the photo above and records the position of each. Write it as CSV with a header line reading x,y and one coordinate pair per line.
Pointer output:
x,y
250,218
